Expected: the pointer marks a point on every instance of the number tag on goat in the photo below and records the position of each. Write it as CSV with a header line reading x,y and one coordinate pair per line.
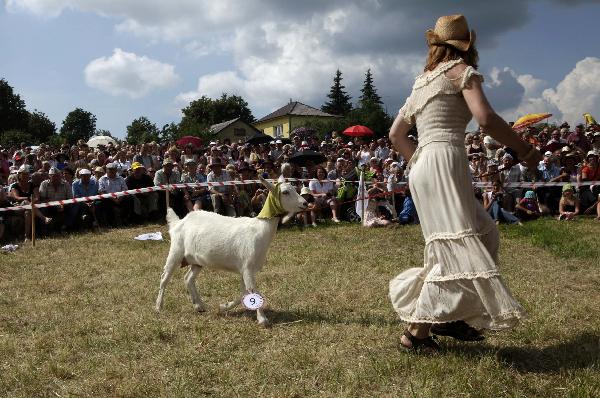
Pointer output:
x,y
253,301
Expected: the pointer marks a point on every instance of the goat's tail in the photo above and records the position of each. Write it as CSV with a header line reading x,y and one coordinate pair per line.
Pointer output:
x,y
172,218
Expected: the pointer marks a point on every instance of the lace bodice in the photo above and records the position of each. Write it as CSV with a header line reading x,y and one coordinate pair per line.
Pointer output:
x,y
437,105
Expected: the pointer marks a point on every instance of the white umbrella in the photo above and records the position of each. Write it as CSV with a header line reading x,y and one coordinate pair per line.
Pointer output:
x,y
100,140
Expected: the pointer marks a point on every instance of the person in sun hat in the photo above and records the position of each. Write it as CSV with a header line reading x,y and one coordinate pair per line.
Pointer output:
x,y
449,299
528,208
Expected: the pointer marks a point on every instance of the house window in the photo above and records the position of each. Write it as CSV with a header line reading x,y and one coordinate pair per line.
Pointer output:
x,y
279,130
239,132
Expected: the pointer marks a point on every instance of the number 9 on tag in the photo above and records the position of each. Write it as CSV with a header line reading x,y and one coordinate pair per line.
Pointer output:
x,y
253,301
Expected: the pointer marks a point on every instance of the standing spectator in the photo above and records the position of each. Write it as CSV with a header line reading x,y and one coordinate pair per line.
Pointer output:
x,y
568,207
83,187
144,205
555,143
144,157
578,139
56,188
113,209
382,151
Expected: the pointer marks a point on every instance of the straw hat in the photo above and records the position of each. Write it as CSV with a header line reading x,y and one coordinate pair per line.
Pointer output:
x,y
451,30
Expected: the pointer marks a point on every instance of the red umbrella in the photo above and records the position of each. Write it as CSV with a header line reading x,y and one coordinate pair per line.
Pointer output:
x,y
358,131
190,139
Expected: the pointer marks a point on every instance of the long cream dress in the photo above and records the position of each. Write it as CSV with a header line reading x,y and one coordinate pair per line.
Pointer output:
x,y
459,279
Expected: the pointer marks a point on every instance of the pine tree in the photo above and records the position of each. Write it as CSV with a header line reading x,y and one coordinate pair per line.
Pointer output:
x,y
369,96
339,101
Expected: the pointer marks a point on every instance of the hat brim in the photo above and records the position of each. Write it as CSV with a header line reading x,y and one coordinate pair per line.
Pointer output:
x,y
462,45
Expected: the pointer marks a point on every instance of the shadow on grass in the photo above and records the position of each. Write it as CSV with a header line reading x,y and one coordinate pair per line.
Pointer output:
x,y
313,316
582,351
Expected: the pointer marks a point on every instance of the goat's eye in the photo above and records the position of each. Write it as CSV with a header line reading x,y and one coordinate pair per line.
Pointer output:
x,y
285,192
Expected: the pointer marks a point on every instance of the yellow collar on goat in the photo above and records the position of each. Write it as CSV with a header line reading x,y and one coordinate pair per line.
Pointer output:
x,y
272,207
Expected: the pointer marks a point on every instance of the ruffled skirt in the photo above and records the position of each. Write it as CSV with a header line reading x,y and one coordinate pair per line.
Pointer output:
x,y
459,279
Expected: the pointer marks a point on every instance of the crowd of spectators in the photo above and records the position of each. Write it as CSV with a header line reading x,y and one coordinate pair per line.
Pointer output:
x,y
44,173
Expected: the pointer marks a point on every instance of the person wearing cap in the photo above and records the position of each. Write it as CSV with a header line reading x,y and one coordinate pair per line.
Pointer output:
x,y
443,101
113,210
305,217
144,206
589,172
528,208
168,174
277,150
568,207
53,189
82,187
98,173
222,196
549,196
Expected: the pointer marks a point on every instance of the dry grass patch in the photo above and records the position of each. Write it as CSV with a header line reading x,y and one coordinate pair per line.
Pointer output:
x,y
77,318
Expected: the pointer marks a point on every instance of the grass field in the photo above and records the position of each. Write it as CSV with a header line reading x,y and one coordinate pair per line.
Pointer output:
x,y
77,319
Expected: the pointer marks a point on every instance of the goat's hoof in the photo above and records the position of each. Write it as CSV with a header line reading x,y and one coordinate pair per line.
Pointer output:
x,y
223,308
265,324
199,307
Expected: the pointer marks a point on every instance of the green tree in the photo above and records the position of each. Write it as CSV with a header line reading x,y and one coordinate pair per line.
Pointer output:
x,y
13,115
170,133
15,137
103,132
141,130
339,101
231,107
202,113
39,127
369,96
78,125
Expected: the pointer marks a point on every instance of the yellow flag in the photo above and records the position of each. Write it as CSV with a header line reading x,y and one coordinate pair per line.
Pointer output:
x,y
589,119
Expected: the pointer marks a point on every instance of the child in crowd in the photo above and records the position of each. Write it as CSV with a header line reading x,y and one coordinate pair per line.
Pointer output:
x,y
528,208
568,207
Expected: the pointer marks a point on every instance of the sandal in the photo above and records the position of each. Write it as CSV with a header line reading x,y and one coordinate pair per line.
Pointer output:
x,y
428,345
459,330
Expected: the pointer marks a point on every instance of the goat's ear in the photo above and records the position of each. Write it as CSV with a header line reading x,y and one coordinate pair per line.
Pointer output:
x,y
266,183
287,217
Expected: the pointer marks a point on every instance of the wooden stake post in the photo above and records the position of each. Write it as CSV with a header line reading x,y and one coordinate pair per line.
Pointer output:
x,y
32,220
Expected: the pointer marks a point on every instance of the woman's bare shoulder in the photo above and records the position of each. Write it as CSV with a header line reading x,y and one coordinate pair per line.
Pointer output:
x,y
456,71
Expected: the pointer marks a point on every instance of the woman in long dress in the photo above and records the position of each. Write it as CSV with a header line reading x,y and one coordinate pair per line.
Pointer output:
x,y
459,289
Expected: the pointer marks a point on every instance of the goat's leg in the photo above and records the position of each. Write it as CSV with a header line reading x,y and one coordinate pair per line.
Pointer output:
x,y
250,282
173,259
232,304
190,282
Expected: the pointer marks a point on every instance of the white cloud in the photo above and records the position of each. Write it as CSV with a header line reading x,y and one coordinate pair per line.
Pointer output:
x,y
125,73
577,93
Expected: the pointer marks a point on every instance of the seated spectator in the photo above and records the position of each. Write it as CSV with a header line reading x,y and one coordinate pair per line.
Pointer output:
x,y
528,208
98,173
323,191
492,202
408,215
222,196
113,209
167,176
568,207
53,189
378,212
83,187
145,205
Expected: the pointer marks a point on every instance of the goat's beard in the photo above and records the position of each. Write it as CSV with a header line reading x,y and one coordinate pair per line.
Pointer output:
x,y
287,217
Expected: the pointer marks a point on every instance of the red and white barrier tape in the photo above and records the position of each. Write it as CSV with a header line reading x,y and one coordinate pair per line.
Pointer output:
x,y
157,188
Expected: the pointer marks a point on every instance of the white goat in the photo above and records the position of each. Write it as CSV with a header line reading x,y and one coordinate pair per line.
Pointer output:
x,y
205,239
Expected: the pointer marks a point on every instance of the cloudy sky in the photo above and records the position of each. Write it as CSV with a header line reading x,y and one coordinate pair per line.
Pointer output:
x,y
121,59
